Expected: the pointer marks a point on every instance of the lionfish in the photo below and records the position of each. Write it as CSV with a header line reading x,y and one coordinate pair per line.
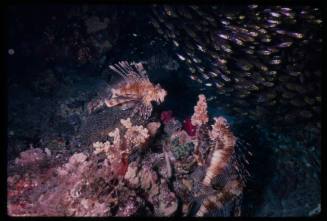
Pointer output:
x,y
135,91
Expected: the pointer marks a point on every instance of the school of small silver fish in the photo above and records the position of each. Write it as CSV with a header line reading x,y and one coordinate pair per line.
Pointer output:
x,y
268,56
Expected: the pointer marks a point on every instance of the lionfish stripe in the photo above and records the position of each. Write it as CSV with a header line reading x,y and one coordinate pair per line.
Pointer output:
x,y
141,70
128,69
137,76
117,71
214,168
126,65
124,71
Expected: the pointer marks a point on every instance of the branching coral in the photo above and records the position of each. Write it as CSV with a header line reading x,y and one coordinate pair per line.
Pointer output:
x,y
199,119
118,151
118,159
200,115
134,135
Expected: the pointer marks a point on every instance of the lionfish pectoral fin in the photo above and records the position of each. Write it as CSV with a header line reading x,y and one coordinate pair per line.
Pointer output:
x,y
117,101
127,105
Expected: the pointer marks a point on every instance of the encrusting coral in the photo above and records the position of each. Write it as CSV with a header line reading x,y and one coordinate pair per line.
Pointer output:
x,y
31,157
56,191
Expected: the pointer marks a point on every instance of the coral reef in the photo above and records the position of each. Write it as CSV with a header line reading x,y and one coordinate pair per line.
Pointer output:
x,y
189,127
137,170
134,135
212,151
31,157
119,150
199,119
153,128
84,186
200,115
181,145
166,116
251,63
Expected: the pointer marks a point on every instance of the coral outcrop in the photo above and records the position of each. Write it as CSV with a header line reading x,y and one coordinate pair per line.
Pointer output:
x,y
138,169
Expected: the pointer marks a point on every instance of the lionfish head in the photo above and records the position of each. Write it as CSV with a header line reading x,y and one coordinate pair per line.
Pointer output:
x,y
222,122
160,94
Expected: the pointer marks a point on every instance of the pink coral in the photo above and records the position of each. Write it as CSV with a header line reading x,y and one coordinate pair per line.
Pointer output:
x,y
200,115
118,151
31,157
115,153
166,116
134,135
153,128
189,127
68,190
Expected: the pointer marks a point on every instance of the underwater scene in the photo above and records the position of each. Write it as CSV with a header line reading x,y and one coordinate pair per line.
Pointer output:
x,y
210,110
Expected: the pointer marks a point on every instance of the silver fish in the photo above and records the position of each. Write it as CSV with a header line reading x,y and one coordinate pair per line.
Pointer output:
x,y
180,57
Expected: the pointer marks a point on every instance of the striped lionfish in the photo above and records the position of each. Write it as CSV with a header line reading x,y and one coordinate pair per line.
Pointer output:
x,y
135,91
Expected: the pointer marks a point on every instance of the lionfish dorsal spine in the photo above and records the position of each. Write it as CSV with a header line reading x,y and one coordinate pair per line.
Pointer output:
x,y
140,69
118,71
126,70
